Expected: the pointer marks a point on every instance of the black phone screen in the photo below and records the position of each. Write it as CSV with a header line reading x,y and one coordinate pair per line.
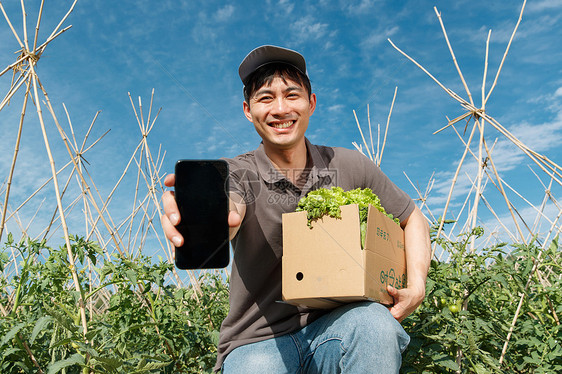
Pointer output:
x,y
201,192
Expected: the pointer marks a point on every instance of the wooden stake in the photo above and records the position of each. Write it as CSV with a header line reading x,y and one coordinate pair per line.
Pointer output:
x,y
14,158
61,210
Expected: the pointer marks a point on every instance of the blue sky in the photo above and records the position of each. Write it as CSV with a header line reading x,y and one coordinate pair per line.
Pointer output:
x,y
189,52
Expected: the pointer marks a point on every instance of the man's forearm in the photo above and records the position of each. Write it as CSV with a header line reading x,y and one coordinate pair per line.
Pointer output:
x,y
418,250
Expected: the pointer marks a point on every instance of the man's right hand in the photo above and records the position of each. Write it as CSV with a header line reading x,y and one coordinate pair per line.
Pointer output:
x,y
171,216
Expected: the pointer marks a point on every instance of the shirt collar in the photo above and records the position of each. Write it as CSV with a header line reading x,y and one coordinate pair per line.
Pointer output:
x,y
270,174
267,171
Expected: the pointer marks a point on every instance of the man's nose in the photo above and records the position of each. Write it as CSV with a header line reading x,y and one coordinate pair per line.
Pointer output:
x,y
280,106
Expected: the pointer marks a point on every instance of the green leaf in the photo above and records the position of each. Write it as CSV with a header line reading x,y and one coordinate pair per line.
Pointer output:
x,y
144,366
10,335
75,359
64,341
3,259
447,362
109,363
61,318
10,240
215,337
9,351
132,275
39,326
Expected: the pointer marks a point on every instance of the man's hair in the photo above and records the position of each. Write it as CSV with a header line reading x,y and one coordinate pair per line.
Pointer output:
x,y
265,75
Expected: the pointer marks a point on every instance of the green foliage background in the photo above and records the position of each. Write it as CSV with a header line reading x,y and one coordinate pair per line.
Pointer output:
x,y
470,304
139,324
145,325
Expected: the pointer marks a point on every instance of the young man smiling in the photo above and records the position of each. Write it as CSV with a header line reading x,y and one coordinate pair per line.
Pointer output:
x,y
261,334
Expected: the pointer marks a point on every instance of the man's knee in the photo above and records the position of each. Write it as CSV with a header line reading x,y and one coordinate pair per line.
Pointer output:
x,y
371,323
249,362
269,356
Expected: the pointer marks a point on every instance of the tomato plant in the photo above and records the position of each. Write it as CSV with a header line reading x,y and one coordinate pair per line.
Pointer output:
x,y
137,323
471,302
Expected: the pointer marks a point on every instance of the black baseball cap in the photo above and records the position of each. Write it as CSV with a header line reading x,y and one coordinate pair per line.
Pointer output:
x,y
267,54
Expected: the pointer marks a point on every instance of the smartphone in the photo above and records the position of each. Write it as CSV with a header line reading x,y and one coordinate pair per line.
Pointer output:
x,y
201,192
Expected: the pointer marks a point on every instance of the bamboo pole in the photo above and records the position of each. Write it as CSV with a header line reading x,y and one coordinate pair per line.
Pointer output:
x,y
479,176
467,147
37,26
506,51
491,209
24,22
387,125
363,137
422,197
149,160
137,184
11,27
72,269
453,55
18,62
371,132
14,89
143,144
114,235
109,197
55,31
14,158
509,205
53,217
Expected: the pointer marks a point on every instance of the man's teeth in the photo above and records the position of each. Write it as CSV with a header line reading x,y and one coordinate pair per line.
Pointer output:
x,y
283,125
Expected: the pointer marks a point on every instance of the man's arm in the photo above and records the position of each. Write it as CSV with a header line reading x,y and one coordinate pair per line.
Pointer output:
x,y
418,258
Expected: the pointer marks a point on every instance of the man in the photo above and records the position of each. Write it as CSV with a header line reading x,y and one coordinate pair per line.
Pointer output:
x,y
261,334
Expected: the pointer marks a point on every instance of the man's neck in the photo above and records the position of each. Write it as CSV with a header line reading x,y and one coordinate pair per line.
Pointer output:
x,y
291,162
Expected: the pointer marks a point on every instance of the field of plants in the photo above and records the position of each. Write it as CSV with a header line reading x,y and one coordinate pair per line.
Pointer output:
x,y
136,322
97,303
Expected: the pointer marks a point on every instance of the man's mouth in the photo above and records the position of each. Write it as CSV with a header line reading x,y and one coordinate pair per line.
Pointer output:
x,y
282,125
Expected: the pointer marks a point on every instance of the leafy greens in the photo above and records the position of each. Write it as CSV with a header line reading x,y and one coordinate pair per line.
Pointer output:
x,y
325,201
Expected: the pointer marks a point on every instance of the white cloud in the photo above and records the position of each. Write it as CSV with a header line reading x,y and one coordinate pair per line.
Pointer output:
x,y
544,5
335,108
379,36
308,29
224,13
287,6
360,6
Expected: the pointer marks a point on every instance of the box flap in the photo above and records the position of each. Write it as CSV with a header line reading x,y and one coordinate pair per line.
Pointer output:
x,y
383,233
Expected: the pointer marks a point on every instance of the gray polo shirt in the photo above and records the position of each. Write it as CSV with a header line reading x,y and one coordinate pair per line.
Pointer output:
x,y
256,310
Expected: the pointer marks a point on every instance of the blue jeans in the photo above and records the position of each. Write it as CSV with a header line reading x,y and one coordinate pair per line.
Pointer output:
x,y
355,338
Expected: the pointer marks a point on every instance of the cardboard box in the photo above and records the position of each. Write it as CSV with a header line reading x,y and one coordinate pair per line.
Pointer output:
x,y
324,266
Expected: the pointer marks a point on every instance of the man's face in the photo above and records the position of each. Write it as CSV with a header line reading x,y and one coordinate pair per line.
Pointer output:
x,y
280,113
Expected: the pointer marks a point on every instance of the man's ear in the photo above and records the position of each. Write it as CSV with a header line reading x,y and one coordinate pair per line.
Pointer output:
x,y
312,104
247,113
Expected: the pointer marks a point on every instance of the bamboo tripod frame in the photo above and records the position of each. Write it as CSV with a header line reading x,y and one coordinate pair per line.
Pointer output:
x,y
73,185
487,171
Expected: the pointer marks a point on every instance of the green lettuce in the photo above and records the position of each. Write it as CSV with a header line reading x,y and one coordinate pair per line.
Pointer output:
x,y
322,202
